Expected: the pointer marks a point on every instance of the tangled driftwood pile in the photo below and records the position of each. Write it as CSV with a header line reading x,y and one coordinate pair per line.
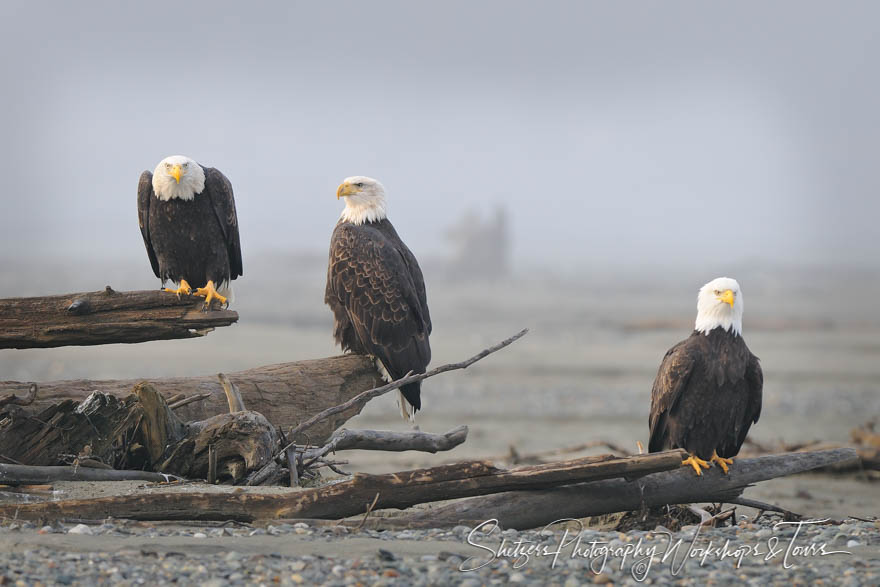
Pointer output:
x,y
280,425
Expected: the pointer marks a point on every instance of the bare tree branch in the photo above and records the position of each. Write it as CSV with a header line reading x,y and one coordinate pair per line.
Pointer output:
x,y
364,397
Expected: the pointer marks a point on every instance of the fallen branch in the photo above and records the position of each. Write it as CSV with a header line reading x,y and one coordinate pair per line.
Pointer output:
x,y
26,475
104,317
285,393
868,451
361,399
345,439
707,519
348,498
27,400
522,510
185,401
764,507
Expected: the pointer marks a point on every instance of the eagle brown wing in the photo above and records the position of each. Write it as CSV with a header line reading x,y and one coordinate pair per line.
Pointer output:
x,y
418,283
372,285
672,378
145,197
753,399
219,189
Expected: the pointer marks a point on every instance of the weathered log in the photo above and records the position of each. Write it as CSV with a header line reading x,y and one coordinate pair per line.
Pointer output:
x,y
66,429
225,447
346,439
354,496
139,432
14,400
104,317
27,475
533,509
864,442
286,394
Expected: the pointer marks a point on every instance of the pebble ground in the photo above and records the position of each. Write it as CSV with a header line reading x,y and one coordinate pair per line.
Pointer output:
x,y
119,553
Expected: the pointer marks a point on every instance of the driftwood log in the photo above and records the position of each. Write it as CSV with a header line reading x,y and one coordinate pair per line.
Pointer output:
x,y
223,448
353,496
26,475
60,433
138,432
104,317
285,394
301,461
345,439
533,509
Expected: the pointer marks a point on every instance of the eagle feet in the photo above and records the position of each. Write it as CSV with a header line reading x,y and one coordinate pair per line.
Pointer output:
x,y
210,294
182,288
722,462
695,462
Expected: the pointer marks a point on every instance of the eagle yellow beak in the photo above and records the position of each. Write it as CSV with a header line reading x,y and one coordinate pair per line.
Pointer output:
x,y
727,297
345,189
175,173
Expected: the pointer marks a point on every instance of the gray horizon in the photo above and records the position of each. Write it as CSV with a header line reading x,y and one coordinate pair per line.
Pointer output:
x,y
680,134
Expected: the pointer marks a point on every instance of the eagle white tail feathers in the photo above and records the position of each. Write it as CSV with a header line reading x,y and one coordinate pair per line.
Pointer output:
x,y
407,412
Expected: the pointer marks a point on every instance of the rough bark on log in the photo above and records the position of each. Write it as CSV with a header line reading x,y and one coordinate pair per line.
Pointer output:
x,y
26,475
65,429
104,317
523,510
140,431
351,497
286,394
222,448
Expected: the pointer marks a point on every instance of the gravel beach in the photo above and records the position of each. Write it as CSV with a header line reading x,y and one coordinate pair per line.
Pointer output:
x,y
120,553
566,383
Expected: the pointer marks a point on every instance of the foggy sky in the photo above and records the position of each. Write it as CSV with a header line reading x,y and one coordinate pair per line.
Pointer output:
x,y
637,133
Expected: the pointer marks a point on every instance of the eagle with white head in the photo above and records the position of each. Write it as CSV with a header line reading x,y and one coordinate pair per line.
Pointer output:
x,y
190,228
708,391
376,290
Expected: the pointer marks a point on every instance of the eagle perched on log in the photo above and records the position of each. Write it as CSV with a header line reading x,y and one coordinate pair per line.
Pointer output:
x,y
187,217
376,290
708,391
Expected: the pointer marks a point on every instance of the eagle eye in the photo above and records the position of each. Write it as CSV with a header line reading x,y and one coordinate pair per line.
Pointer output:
x,y
185,165
359,184
717,292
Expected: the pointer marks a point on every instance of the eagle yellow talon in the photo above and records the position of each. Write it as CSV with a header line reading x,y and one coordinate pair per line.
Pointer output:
x,y
722,462
695,462
182,288
210,293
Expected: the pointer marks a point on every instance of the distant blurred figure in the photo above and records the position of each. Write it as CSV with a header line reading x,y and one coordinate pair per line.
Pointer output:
x,y
376,291
190,228
482,248
708,391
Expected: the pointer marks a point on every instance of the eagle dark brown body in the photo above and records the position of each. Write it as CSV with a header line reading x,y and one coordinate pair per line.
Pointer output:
x,y
376,291
706,396
196,240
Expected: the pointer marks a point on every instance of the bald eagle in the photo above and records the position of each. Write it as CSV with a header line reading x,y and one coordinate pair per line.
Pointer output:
x,y
376,290
187,217
708,390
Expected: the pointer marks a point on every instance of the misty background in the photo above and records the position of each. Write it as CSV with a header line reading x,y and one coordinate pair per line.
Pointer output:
x,y
615,134
636,151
